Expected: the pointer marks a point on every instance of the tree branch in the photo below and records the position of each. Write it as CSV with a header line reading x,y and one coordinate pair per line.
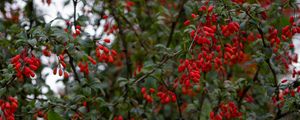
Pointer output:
x,y
244,93
268,61
181,9
122,37
163,61
75,4
135,32
71,62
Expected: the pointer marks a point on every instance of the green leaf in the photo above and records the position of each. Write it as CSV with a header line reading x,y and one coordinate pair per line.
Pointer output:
x,y
87,91
53,115
32,42
2,91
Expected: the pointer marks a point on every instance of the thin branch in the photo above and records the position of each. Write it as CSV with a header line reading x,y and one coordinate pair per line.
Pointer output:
x,y
75,4
71,62
122,38
181,9
258,28
276,85
135,32
163,61
268,61
244,93
125,49
203,96
178,100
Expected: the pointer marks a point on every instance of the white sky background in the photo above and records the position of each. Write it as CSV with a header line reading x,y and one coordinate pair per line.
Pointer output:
x,y
57,6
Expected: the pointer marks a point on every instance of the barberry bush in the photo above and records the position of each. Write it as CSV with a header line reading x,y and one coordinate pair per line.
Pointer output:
x,y
150,59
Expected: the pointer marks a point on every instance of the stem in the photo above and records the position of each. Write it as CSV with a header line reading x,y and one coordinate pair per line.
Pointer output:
x,y
75,4
71,62
268,61
201,102
244,93
276,85
178,105
135,32
123,42
181,6
125,49
178,100
162,62
203,96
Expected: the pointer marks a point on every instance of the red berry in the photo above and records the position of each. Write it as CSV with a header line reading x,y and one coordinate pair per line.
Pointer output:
x,y
291,45
104,16
107,40
15,59
7,105
54,71
33,67
60,72
66,75
77,32
167,99
84,103
152,90
291,20
143,90
284,81
63,64
110,59
78,27
92,60
113,52
187,22
194,16
68,23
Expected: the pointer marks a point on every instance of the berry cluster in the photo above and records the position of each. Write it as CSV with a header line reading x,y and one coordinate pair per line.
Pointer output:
x,y
109,28
165,96
147,96
227,111
119,117
84,67
284,94
25,64
46,52
203,54
8,108
229,29
192,74
61,66
104,54
77,31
